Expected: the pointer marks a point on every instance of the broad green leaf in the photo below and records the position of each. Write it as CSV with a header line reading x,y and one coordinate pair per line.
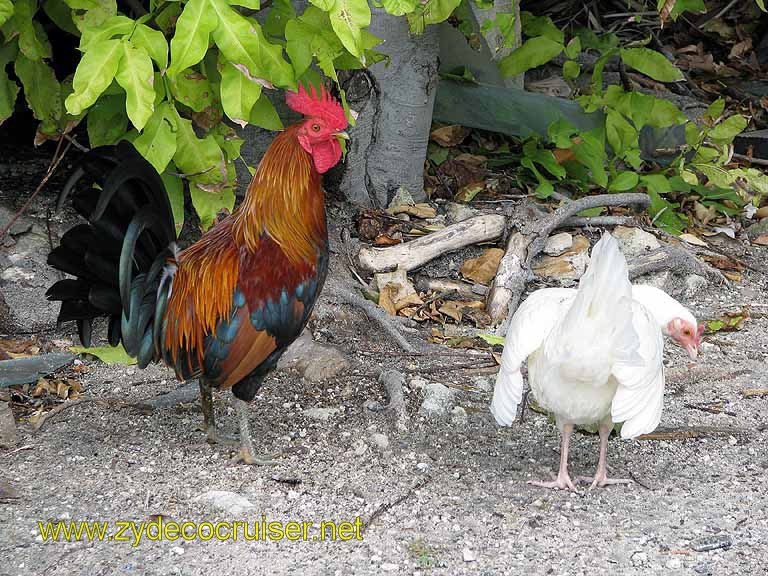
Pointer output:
x,y
597,73
154,42
591,41
624,181
264,115
242,42
573,48
228,140
208,204
252,4
136,75
534,52
659,183
622,136
683,6
560,133
726,130
107,120
8,88
761,5
544,158
190,41
6,11
114,26
33,41
591,152
100,12
545,188
651,63
96,70
238,94
324,5
82,4
431,12
41,89
400,7
665,114
107,354
280,13
157,142
715,110
61,15
174,187
571,70
348,17
201,158
192,89
540,26
664,214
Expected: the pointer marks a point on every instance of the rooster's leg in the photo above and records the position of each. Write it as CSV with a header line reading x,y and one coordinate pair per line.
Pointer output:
x,y
209,420
600,478
563,480
246,454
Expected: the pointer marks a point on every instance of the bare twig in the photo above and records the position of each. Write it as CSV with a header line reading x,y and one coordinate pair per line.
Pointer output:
x,y
586,221
19,449
756,161
692,432
389,505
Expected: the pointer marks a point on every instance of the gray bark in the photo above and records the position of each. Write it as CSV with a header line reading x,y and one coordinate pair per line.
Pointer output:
x,y
389,142
495,39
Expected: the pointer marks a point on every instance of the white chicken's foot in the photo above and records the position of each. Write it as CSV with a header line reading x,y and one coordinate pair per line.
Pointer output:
x,y
246,455
600,479
563,480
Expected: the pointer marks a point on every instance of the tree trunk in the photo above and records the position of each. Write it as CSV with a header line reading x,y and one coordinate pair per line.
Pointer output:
x,y
394,102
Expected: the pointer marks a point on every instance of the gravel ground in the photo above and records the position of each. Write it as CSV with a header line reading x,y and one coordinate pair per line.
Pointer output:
x,y
447,496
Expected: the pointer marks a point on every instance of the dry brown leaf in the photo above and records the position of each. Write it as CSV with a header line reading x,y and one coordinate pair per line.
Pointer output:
x,y
695,240
449,136
452,309
387,298
483,268
761,240
386,240
762,212
725,263
666,10
580,244
554,267
733,276
740,48
467,193
421,210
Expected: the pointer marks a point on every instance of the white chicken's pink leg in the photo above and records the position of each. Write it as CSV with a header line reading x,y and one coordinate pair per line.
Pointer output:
x,y
563,480
600,478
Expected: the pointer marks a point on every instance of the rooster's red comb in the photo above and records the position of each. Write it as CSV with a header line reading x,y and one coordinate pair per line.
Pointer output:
x,y
320,104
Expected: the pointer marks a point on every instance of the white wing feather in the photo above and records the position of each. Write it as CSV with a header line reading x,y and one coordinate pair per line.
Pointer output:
x,y
640,394
530,326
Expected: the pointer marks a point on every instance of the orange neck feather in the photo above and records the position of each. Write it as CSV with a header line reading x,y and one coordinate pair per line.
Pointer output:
x,y
285,201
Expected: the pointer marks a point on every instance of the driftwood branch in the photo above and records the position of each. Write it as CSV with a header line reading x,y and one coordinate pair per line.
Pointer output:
x,y
411,255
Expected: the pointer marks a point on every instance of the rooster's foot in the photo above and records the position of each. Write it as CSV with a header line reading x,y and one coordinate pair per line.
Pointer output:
x,y
562,482
602,480
213,436
247,457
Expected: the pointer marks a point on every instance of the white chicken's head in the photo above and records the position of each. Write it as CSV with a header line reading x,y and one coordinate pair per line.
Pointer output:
x,y
686,334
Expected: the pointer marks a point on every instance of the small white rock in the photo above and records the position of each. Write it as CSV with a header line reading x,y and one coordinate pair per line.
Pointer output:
x,y
674,564
389,567
558,244
635,241
322,414
468,555
178,550
229,502
459,415
437,401
422,466
380,441
694,284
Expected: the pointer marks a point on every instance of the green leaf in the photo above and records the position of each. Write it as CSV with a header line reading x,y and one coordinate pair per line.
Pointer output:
x,y
264,115
111,27
571,70
96,70
726,130
659,183
651,63
157,142
591,152
208,204
324,5
174,187
597,73
622,136
534,52
61,15
560,133
573,48
136,75
399,7
6,11
202,158
431,12
715,110
279,15
192,89
544,158
98,12
107,354
664,214
41,89
761,5
492,339
624,181
665,114
252,4
8,88
545,188
242,42
33,41
540,26
107,120
154,42
238,94
190,41
348,17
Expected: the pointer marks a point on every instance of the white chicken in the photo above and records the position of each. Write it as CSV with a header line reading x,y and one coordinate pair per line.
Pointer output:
x,y
594,355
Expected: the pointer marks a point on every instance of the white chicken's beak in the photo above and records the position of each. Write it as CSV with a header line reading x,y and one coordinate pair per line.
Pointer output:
x,y
693,351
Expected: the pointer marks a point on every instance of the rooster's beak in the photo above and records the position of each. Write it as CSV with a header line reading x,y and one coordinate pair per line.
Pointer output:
x,y
342,135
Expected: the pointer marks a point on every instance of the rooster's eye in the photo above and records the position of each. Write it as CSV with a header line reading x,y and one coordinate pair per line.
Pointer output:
x,y
316,127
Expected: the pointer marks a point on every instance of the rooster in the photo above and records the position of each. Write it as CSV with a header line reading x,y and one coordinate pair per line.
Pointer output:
x,y
226,308
594,356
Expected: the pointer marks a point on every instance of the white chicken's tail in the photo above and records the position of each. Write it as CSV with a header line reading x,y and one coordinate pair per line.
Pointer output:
x,y
597,331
